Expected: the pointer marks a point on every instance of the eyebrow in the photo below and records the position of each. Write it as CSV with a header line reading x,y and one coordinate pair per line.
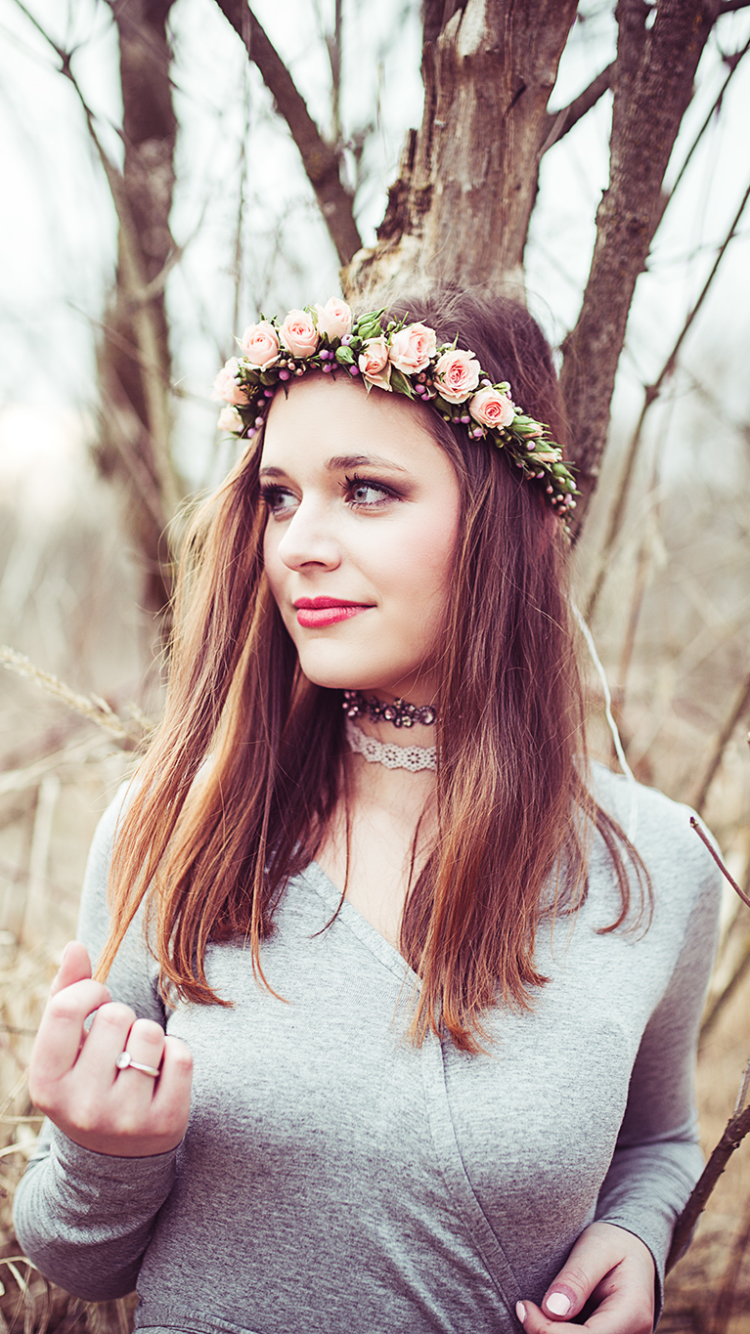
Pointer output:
x,y
340,462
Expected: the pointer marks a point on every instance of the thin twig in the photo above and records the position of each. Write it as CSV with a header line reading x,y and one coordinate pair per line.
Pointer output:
x,y
320,159
136,289
734,63
727,875
651,393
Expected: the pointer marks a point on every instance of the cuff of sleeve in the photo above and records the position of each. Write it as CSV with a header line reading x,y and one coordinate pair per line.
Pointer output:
x,y
152,1175
658,1255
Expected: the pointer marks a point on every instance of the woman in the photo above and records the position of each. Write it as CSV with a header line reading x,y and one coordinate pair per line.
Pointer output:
x,y
441,1011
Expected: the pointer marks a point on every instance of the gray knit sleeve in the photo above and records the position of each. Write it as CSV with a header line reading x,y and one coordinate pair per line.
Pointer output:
x,y
85,1218
658,1157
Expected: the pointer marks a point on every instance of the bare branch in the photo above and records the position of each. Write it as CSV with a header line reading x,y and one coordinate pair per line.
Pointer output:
x,y
320,160
651,393
652,85
560,122
731,6
733,62
726,874
736,1129
146,334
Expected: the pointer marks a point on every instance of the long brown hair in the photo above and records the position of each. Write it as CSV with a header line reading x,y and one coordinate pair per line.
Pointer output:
x,y
514,813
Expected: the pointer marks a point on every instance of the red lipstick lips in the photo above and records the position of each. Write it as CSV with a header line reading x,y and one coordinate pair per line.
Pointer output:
x,y
315,613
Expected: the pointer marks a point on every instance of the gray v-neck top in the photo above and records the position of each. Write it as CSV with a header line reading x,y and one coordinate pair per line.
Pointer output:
x,y
335,1179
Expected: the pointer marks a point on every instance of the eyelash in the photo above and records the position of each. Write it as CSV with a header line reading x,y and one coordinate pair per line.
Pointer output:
x,y
272,494
351,484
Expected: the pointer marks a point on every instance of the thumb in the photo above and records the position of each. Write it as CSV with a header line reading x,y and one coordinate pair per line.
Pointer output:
x,y
75,966
590,1259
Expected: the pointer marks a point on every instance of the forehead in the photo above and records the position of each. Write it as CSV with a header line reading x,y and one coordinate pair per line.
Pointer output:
x,y
320,414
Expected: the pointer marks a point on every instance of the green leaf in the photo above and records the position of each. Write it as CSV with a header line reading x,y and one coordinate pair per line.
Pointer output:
x,y
400,383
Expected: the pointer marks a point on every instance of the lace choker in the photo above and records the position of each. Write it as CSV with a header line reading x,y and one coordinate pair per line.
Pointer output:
x,y
391,756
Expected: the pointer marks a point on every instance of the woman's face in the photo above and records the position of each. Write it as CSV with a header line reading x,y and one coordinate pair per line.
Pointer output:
x,y
363,514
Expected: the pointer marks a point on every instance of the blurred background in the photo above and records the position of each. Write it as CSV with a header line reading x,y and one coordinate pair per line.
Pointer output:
x,y
232,227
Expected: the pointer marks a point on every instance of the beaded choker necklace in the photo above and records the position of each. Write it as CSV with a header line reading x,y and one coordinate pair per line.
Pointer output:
x,y
400,713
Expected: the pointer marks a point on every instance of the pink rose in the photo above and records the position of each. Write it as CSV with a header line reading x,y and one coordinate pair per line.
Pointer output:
x,y
334,318
230,420
260,344
491,408
374,363
226,388
412,347
298,333
456,375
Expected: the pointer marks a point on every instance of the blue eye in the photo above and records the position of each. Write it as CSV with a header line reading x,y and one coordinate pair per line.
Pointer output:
x,y
365,494
278,501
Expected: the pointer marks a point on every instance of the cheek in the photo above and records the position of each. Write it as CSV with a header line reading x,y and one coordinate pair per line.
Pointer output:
x,y
422,564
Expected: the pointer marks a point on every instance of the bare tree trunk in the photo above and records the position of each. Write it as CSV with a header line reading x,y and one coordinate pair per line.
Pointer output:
x,y
652,83
134,358
461,206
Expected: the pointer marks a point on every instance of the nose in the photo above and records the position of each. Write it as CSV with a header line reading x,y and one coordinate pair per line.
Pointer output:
x,y
308,538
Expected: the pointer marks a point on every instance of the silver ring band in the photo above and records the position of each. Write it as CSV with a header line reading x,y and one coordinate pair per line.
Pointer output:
x,y
125,1062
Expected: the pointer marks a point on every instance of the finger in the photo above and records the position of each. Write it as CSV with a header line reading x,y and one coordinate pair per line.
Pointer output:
x,y
621,1312
61,1030
590,1260
145,1045
171,1105
105,1042
75,966
534,1320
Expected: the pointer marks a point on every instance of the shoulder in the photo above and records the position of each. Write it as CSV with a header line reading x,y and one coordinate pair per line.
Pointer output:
x,y
100,852
134,975
684,876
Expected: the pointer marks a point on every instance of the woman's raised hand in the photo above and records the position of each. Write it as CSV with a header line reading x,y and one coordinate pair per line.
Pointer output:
x,y
74,1076
607,1266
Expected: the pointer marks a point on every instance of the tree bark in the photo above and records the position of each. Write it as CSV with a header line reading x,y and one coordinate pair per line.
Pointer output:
x,y
460,209
652,84
134,357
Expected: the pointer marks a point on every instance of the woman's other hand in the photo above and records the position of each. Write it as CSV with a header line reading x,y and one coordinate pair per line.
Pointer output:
x,y
74,1077
609,1269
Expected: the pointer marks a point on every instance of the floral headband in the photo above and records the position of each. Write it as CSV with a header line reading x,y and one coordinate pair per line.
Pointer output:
x,y
402,358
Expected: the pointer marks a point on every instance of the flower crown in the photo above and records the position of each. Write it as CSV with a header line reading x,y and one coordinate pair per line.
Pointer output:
x,y
402,358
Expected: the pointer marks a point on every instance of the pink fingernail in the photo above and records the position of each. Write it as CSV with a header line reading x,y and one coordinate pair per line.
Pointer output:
x,y
558,1303
521,1312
